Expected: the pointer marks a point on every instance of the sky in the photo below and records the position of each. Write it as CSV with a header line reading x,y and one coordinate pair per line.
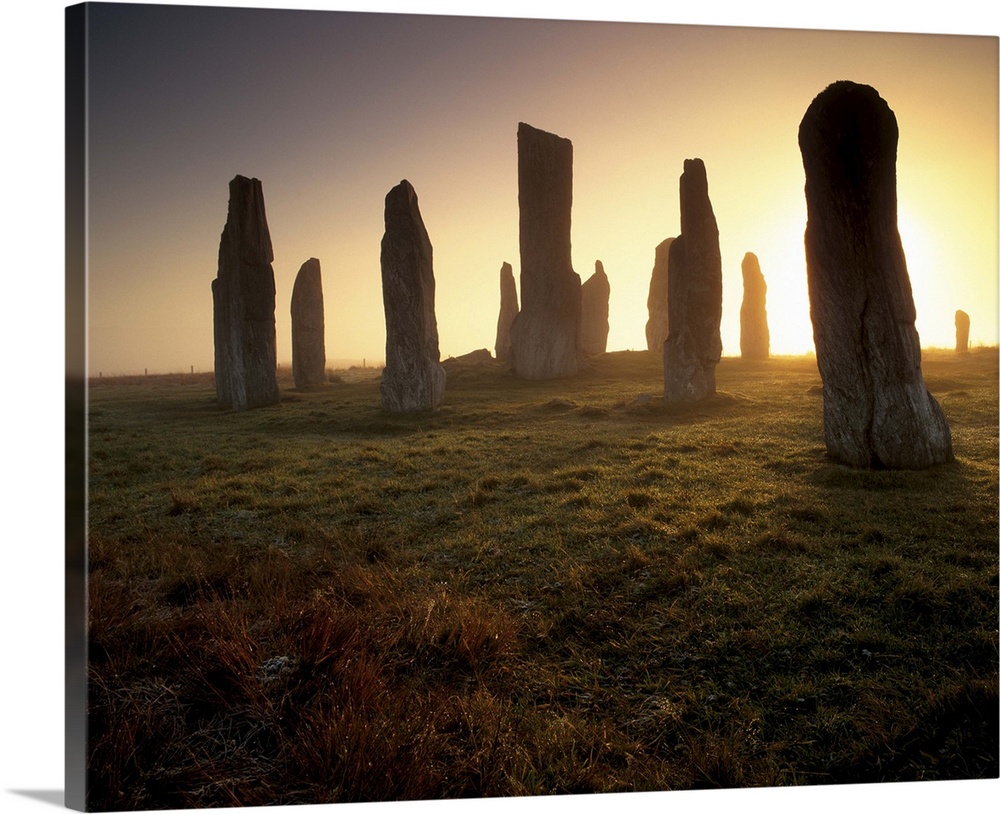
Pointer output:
x,y
332,109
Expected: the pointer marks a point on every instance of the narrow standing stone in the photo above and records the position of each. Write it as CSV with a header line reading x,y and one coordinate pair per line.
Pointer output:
x,y
961,332
658,324
413,378
545,335
595,298
876,409
308,326
755,338
246,367
694,344
508,311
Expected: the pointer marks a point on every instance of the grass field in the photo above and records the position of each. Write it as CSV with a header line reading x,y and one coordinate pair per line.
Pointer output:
x,y
542,587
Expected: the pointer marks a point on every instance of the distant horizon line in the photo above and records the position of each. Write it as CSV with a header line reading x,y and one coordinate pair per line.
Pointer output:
x,y
347,362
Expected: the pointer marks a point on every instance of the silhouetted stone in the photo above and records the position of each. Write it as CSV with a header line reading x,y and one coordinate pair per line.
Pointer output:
x,y
413,378
876,410
595,295
473,357
755,339
545,335
961,332
658,324
308,326
694,299
246,367
508,310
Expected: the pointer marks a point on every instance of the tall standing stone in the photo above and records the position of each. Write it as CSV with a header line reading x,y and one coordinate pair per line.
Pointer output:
x,y
413,378
508,311
246,367
961,332
545,335
658,324
694,344
755,338
595,297
876,409
308,326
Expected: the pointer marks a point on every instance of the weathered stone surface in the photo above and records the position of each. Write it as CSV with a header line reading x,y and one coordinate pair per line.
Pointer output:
x,y
308,326
508,311
658,324
545,335
595,295
413,378
755,338
246,362
694,294
876,410
961,332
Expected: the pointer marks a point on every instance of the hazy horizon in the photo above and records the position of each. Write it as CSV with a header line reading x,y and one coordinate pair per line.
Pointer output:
x,y
331,109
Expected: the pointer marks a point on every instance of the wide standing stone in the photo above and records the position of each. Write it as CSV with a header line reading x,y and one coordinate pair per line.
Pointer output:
x,y
508,310
308,326
755,339
961,332
658,324
246,366
876,409
545,335
694,299
413,378
595,296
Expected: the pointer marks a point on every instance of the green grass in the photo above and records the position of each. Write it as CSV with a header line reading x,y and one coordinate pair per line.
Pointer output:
x,y
542,587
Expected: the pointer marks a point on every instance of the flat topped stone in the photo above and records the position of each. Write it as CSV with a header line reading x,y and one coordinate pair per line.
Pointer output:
x,y
876,409
545,335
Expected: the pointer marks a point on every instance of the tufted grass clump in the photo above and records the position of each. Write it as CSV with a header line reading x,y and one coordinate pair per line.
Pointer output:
x,y
541,587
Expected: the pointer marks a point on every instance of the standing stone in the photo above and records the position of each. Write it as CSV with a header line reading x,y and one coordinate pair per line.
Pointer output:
x,y
658,324
545,335
508,310
413,378
694,344
876,410
755,339
595,295
246,367
308,326
961,332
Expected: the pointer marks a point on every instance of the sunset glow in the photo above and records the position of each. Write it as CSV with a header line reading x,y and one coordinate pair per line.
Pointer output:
x,y
330,110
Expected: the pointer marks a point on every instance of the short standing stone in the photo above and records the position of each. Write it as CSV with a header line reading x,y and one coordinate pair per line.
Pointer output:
x,y
413,378
308,326
595,297
508,310
658,324
876,409
545,335
961,331
755,339
246,367
694,344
